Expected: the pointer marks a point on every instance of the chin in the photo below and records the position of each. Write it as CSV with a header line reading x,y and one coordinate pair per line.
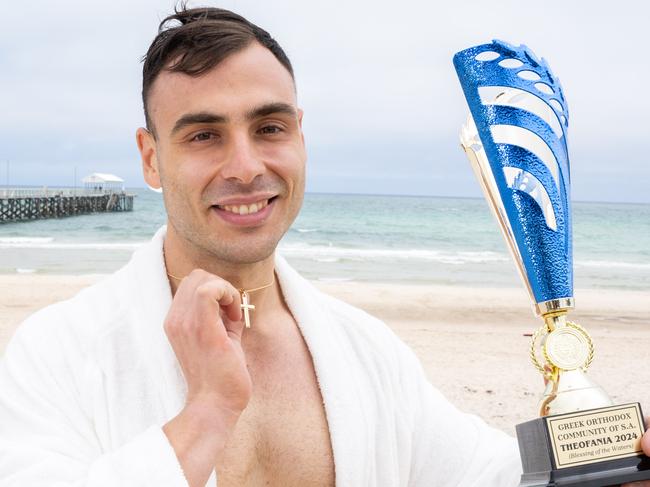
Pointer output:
x,y
243,255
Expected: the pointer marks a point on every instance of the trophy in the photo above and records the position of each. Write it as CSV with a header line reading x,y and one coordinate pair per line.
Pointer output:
x,y
516,140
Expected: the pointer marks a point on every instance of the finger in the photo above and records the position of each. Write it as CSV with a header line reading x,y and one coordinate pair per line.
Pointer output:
x,y
229,300
207,289
235,328
220,293
645,443
233,309
187,285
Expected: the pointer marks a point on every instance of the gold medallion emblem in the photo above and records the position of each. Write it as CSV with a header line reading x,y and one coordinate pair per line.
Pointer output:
x,y
567,348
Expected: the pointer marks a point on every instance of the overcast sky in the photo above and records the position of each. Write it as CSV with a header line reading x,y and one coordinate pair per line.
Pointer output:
x,y
382,102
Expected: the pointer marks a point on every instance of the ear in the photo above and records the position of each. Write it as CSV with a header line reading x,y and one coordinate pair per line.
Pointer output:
x,y
300,114
147,147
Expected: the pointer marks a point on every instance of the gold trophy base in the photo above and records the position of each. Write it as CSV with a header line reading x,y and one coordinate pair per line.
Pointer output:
x,y
581,438
572,391
592,448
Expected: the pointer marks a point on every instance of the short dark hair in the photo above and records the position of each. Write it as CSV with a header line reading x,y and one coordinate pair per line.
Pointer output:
x,y
201,39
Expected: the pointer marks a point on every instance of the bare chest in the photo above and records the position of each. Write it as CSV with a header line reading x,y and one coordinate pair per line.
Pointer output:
x,y
282,438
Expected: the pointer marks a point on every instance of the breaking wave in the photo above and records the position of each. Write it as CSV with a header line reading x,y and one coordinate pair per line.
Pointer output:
x,y
50,243
324,253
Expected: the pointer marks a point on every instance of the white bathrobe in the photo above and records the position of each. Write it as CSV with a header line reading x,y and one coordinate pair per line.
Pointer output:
x,y
86,385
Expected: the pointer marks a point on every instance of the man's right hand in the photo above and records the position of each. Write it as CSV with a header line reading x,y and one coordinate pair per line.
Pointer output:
x,y
204,328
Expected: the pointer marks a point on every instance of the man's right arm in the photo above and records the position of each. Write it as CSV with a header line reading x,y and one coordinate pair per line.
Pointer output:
x,y
204,328
48,439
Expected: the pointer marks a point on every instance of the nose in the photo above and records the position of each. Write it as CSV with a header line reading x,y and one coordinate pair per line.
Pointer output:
x,y
242,162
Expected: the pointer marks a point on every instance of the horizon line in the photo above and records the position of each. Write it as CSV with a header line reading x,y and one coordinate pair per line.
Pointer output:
x,y
332,193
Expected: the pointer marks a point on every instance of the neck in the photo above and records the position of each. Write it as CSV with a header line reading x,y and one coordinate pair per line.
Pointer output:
x,y
181,259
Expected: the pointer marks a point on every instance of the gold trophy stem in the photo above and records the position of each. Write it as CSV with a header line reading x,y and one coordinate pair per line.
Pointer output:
x,y
567,389
553,320
553,377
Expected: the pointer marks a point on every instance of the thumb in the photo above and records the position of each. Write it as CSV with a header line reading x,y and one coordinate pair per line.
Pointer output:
x,y
645,441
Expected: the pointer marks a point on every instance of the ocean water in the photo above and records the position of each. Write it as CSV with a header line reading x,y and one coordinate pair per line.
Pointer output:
x,y
358,237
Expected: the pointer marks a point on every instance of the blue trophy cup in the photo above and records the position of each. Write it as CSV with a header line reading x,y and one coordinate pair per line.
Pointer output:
x,y
516,140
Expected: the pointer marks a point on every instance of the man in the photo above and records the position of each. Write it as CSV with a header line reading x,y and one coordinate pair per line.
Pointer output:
x,y
152,377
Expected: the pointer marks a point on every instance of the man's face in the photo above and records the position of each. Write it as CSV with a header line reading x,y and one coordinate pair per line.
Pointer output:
x,y
229,154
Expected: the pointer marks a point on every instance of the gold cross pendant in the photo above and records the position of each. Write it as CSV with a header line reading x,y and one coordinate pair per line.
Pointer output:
x,y
247,308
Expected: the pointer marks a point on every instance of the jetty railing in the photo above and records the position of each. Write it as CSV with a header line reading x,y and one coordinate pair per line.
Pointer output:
x,y
45,192
21,204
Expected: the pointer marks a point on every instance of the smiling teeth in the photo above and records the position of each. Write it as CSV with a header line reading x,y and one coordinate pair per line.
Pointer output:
x,y
245,209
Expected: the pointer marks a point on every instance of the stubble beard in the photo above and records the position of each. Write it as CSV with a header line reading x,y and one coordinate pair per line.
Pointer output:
x,y
247,247
243,247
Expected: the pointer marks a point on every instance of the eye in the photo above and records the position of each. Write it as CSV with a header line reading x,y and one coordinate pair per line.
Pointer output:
x,y
203,137
270,130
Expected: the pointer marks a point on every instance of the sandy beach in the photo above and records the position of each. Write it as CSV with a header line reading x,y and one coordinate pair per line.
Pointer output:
x,y
471,341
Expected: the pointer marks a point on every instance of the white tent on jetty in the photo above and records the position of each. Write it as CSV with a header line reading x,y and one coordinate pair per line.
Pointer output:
x,y
103,182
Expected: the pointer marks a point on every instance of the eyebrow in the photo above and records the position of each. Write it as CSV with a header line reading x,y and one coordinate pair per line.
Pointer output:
x,y
209,117
195,118
270,109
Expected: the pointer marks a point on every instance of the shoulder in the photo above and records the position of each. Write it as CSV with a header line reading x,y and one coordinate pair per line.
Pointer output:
x,y
356,320
76,324
111,305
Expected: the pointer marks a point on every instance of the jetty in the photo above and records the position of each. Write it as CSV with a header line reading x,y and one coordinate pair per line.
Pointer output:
x,y
101,193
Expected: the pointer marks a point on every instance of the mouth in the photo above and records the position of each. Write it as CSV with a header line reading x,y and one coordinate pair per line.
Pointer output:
x,y
248,209
246,214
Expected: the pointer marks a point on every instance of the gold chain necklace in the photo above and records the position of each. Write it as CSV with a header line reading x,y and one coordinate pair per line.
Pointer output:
x,y
246,306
